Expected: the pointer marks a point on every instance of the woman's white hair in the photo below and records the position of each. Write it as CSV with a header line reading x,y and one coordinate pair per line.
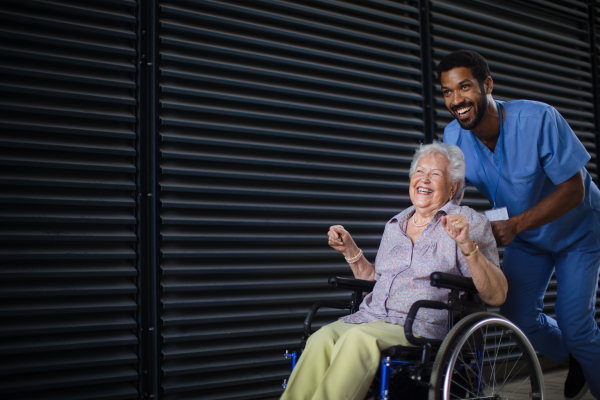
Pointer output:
x,y
455,157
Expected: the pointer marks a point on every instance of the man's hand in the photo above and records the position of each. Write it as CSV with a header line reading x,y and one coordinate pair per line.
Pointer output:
x,y
504,231
566,197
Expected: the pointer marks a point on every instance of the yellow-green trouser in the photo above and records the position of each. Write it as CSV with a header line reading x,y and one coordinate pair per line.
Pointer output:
x,y
340,361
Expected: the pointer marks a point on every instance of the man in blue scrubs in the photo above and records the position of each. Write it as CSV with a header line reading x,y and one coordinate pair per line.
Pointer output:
x,y
525,159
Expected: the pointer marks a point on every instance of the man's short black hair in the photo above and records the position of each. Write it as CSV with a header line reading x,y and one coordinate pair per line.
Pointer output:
x,y
465,58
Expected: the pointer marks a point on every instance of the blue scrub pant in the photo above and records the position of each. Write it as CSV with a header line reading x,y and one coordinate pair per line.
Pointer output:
x,y
528,271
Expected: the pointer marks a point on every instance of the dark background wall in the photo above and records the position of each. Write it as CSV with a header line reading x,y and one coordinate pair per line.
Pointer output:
x,y
170,169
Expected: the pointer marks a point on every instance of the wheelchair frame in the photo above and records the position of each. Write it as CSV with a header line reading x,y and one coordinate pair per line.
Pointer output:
x,y
466,315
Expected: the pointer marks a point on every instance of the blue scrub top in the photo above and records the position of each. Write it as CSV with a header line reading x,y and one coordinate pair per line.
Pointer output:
x,y
539,151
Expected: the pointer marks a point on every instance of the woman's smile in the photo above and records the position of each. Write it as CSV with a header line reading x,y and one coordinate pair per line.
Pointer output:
x,y
424,191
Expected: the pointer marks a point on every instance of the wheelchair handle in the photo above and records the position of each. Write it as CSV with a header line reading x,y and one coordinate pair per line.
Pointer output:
x,y
315,307
410,319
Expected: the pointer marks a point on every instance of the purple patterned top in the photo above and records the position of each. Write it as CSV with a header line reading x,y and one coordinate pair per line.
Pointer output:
x,y
402,271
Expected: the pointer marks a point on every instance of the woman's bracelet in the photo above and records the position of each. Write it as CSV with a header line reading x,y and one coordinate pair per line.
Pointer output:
x,y
354,259
472,252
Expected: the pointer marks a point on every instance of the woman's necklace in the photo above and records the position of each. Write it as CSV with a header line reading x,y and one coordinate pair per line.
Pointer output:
x,y
415,223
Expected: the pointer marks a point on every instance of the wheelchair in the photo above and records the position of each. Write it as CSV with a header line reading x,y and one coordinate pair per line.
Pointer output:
x,y
484,356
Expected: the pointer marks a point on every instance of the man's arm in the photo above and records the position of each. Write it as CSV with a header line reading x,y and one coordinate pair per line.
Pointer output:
x,y
568,195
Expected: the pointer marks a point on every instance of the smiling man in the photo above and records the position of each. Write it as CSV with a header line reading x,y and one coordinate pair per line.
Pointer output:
x,y
525,159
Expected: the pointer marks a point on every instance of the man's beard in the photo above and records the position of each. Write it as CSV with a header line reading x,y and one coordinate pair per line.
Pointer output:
x,y
478,113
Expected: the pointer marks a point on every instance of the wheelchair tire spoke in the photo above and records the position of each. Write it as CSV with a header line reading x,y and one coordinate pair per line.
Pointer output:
x,y
519,387
518,398
497,346
506,380
483,353
493,374
471,364
467,365
506,377
514,376
464,388
473,351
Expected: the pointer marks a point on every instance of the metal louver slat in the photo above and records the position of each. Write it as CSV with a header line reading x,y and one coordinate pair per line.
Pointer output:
x,y
277,120
68,287
594,23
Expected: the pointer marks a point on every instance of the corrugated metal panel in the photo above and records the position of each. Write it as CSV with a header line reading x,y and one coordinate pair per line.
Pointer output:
x,y
67,169
594,25
537,50
277,120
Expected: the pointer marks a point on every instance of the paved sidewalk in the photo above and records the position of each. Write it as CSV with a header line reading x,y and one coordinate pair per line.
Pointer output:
x,y
554,381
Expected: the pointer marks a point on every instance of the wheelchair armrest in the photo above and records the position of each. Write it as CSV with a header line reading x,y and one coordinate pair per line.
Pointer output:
x,y
358,285
313,311
410,319
450,281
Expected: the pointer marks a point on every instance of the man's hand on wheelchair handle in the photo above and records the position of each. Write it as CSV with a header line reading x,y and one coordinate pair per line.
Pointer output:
x,y
504,231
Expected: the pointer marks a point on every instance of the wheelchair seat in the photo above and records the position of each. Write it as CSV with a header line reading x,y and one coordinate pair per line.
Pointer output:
x,y
482,352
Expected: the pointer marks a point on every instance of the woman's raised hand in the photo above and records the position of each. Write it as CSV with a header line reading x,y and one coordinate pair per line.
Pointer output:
x,y
340,239
457,227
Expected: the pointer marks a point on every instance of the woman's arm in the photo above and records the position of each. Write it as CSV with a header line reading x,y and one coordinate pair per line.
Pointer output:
x,y
487,277
340,239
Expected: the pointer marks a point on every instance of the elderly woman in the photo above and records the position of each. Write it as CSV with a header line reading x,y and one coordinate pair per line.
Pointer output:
x,y
435,234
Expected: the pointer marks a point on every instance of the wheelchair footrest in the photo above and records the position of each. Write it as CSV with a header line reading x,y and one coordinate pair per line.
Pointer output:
x,y
420,375
416,361
411,353
416,371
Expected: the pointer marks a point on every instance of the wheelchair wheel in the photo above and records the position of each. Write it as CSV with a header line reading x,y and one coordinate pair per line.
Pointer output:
x,y
486,357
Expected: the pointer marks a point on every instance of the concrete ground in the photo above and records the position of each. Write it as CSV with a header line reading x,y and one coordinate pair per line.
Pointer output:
x,y
554,381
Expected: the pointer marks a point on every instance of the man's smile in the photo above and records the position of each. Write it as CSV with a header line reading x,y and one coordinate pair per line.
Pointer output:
x,y
463,111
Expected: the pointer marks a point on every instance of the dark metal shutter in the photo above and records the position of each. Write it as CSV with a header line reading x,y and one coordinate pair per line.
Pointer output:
x,y
277,120
537,50
68,174
594,18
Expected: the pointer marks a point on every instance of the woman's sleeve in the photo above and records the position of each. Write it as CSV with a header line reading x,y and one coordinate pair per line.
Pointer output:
x,y
484,237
